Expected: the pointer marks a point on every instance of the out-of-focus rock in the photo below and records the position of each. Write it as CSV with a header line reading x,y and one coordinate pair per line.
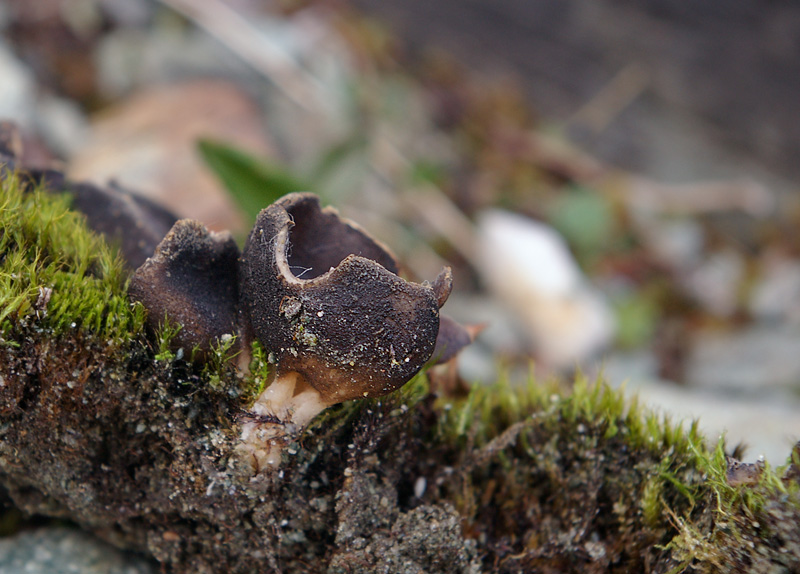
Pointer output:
x,y
131,58
66,551
765,419
128,13
149,143
503,336
715,282
62,124
776,295
17,89
677,242
749,361
529,267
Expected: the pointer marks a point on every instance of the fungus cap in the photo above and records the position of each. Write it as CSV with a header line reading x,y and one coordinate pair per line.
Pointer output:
x,y
192,280
325,298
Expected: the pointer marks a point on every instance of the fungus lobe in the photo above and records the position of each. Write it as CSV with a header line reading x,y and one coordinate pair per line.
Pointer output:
x,y
132,222
191,280
326,300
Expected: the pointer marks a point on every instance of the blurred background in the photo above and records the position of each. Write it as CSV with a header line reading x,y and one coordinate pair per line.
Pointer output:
x,y
613,182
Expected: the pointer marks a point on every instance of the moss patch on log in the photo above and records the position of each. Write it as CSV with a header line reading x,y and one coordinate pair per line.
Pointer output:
x,y
139,446
55,273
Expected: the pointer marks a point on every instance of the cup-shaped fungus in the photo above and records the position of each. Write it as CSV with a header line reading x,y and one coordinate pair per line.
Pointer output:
x,y
325,299
128,220
192,281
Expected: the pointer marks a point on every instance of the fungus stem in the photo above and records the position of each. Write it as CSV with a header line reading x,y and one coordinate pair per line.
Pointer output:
x,y
290,400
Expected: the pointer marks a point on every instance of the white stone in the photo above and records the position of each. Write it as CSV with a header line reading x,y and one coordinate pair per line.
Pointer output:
x,y
776,295
677,242
751,361
62,124
529,267
715,283
17,89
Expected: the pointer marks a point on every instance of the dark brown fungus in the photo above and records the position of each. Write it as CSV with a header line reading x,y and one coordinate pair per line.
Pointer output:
x,y
792,472
452,338
325,299
132,222
12,161
191,280
743,474
10,140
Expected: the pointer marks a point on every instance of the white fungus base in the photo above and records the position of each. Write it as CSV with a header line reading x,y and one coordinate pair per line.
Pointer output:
x,y
290,400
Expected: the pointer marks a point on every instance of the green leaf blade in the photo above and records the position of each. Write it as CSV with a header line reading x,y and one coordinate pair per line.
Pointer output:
x,y
252,182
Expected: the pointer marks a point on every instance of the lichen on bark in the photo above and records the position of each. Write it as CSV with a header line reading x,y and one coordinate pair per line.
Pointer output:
x,y
142,451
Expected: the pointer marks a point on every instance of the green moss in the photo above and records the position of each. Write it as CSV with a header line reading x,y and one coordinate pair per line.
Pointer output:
x,y
554,473
543,478
55,274
165,334
218,369
259,374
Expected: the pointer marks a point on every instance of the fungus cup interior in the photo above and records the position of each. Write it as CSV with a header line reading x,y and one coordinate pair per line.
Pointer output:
x,y
319,240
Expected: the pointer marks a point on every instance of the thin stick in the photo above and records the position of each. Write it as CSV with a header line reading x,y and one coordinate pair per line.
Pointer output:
x,y
427,201
599,112
253,47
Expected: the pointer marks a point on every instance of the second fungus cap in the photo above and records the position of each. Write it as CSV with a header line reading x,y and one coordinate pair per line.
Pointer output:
x,y
191,280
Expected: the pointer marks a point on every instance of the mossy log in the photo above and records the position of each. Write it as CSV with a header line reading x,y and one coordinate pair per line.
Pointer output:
x,y
105,427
